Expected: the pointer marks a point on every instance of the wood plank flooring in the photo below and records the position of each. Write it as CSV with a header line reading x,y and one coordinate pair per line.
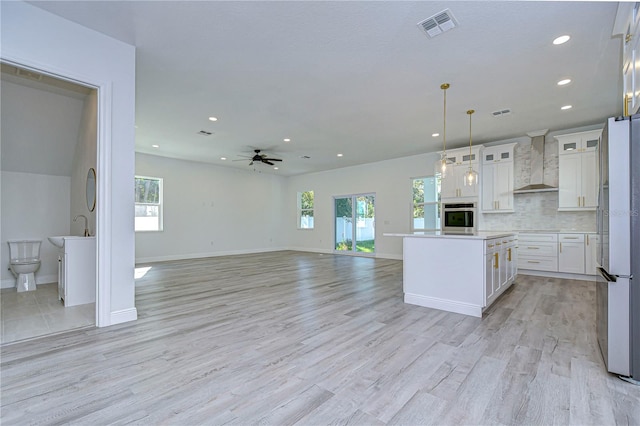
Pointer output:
x,y
301,338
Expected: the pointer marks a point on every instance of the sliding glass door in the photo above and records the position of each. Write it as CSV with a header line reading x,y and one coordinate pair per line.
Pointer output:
x,y
355,223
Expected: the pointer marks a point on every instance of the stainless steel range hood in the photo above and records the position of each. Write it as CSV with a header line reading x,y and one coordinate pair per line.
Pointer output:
x,y
537,165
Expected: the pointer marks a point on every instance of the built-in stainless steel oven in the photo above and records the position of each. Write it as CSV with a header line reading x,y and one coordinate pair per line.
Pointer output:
x,y
459,218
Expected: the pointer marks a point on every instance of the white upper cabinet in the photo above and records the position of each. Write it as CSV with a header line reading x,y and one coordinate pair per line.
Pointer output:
x,y
497,179
453,185
578,170
627,25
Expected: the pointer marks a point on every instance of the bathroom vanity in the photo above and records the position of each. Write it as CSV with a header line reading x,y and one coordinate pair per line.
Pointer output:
x,y
77,270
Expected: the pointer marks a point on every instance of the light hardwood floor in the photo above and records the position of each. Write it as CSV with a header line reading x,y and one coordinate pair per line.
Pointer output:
x,y
288,337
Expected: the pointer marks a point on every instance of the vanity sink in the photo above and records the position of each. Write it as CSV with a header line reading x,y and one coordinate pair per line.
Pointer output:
x,y
57,241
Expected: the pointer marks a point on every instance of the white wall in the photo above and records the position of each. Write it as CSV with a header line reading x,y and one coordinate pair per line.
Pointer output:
x,y
390,181
34,207
85,157
211,210
34,38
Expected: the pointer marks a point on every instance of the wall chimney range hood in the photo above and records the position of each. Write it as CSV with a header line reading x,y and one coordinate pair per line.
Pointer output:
x,y
537,165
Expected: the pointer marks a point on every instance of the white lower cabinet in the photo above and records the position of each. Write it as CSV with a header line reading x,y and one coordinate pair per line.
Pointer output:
x,y
538,252
571,253
500,266
591,253
77,271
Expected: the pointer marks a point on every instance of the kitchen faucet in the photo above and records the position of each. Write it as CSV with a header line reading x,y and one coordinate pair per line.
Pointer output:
x,y
86,228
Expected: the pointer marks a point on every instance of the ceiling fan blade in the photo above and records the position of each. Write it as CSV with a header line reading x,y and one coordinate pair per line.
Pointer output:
x,y
267,162
272,159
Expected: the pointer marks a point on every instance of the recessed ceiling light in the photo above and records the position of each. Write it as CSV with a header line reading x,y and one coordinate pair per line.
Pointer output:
x,y
563,82
287,140
562,39
435,135
155,146
213,118
566,107
339,155
223,158
275,168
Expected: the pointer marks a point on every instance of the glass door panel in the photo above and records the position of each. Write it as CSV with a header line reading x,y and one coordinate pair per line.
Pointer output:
x,y
365,225
355,223
344,223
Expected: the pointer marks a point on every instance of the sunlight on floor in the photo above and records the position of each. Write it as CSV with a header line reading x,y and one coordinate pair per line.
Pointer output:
x,y
141,272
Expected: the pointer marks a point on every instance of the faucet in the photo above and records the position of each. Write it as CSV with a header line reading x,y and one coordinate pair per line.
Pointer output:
x,y
86,228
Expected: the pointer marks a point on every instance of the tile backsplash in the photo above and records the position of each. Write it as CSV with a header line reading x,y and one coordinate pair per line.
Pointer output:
x,y
537,210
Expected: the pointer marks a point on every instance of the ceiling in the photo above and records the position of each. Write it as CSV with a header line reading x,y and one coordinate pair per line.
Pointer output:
x,y
354,78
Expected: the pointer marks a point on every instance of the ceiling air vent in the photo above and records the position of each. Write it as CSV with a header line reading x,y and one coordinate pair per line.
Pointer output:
x,y
501,112
204,133
438,23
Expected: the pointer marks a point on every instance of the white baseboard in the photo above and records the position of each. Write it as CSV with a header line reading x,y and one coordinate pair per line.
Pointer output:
x,y
124,315
203,255
552,274
40,279
443,304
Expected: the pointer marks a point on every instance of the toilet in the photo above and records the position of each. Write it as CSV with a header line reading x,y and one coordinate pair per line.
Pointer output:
x,y
25,261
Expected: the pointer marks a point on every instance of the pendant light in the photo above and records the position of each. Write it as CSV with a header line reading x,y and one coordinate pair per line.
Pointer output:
x,y
470,176
441,165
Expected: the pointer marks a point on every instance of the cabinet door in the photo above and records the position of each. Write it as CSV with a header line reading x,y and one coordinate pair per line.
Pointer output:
x,y
466,190
448,184
503,186
489,277
590,253
571,257
569,180
589,179
488,184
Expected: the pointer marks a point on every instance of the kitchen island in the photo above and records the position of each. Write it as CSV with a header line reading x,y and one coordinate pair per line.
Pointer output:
x,y
456,272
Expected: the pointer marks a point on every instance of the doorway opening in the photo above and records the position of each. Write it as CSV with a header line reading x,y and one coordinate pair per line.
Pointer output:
x,y
355,224
49,149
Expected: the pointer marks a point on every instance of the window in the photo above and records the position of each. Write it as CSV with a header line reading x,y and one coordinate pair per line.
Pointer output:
x,y
148,204
426,204
305,210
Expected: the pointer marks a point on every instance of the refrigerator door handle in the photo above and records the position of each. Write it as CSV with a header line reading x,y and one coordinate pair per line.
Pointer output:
x,y
610,278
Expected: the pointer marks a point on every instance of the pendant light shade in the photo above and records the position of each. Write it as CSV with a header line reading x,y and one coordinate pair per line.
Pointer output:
x,y
470,176
441,165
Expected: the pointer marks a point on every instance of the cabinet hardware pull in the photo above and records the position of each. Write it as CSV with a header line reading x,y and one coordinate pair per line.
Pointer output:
x,y
490,245
587,239
560,247
532,261
578,201
498,244
509,255
583,203
495,256
533,248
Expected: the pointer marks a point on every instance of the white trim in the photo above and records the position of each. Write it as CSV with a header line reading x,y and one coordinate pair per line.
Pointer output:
x,y
443,304
103,210
562,275
125,315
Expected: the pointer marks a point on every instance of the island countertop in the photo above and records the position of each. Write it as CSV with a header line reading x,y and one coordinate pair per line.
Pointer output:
x,y
481,235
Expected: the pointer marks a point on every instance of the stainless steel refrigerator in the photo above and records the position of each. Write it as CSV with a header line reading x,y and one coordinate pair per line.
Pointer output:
x,y
618,279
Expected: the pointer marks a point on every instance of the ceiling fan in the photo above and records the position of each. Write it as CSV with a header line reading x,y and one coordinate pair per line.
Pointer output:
x,y
261,158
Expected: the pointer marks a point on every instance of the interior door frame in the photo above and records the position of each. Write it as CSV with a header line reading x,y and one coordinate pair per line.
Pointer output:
x,y
103,189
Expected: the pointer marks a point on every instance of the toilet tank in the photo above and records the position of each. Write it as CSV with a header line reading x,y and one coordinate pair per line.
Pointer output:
x,y
24,250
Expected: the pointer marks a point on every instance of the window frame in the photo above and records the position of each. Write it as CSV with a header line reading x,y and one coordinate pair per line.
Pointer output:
x,y
301,211
160,203
436,203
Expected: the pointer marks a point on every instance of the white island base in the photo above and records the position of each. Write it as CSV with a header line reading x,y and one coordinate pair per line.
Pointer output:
x,y
457,273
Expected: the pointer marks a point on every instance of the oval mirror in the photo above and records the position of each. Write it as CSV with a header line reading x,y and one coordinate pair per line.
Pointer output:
x,y
91,189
